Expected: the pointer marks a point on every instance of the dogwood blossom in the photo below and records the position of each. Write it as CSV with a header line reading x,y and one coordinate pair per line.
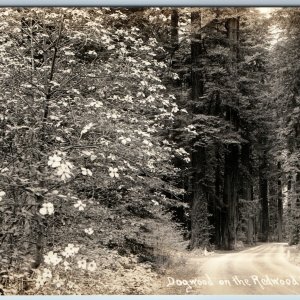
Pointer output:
x,y
64,170
39,282
54,161
58,282
47,273
47,208
113,172
92,266
82,264
80,205
86,172
124,140
86,128
52,258
2,194
89,231
70,250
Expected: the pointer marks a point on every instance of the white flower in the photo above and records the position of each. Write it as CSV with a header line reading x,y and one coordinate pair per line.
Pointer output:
x,y
92,266
92,52
64,170
113,172
2,194
58,282
112,116
86,128
70,250
124,140
43,211
47,208
58,138
69,53
66,71
181,151
111,156
40,281
89,231
93,157
52,258
86,172
82,264
147,143
54,161
187,159
80,205
47,273
96,104
155,202
174,109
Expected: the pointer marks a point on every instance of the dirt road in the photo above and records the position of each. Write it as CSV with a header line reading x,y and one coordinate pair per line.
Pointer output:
x,y
264,269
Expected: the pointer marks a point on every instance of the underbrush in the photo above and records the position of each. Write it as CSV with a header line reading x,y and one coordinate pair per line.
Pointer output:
x,y
115,274
114,259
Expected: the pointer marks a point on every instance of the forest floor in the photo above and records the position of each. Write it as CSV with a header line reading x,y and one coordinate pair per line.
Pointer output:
x,y
269,268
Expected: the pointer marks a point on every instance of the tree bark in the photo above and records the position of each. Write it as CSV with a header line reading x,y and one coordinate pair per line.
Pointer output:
x,y
264,201
174,29
229,215
196,53
246,192
230,197
218,203
199,211
279,205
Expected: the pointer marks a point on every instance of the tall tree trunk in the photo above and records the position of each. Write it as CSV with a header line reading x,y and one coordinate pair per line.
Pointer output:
x,y
231,166
199,213
251,232
246,192
218,203
279,204
295,210
230,197
263,193
196,54
174,29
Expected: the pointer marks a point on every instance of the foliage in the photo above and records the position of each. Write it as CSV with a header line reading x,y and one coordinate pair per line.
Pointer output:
x,y
84,110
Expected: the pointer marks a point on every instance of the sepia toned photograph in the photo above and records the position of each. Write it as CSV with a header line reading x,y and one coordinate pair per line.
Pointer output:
x,y
150,151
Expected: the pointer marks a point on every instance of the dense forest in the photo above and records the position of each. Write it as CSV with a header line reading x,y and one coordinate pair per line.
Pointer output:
x,y
129,137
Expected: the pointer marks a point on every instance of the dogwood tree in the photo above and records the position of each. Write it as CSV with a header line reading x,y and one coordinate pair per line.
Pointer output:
x,y
83,109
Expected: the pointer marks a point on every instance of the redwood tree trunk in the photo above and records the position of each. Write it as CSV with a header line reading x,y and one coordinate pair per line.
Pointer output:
x,y
199,213
229,213
230,197
279,205
218,203
174,29
246,192
263,192
196,54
